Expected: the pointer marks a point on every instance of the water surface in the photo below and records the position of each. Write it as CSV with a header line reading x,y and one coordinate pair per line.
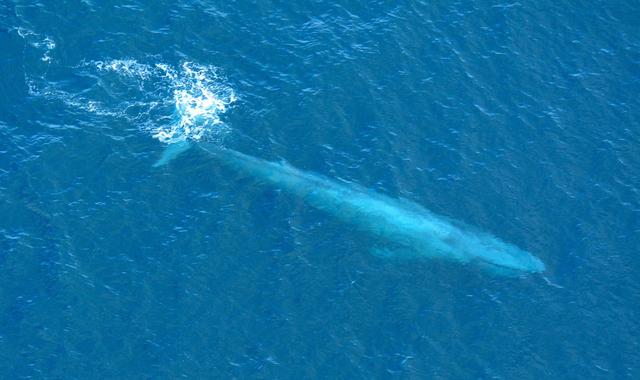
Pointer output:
x,y
519,119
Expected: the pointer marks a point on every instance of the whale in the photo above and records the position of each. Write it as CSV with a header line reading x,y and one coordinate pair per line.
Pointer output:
x,y
402,228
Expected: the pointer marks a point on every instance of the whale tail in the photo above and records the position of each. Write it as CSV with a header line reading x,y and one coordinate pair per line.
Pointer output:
x,y
172,151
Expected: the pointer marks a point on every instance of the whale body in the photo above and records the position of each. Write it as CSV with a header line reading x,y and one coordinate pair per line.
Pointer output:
x,y
407,229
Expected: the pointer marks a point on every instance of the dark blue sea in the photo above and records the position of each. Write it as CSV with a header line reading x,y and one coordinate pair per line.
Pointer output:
x,y
517,119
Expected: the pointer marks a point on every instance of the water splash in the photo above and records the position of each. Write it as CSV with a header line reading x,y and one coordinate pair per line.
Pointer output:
x,y
170,103
198,93
200,98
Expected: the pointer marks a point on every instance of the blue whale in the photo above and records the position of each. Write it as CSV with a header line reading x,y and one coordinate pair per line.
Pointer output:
x,y
407,229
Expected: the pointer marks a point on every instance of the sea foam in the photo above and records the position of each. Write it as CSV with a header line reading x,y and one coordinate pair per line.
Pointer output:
x,y
171,103
198,94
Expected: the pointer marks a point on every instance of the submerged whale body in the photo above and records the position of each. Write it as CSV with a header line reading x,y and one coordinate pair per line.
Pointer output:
x,y
409,229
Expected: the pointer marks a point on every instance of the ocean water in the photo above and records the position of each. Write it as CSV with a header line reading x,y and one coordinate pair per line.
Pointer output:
x,y
521,119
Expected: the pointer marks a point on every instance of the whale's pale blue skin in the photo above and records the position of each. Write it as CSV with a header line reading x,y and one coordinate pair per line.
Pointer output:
x,y
409,229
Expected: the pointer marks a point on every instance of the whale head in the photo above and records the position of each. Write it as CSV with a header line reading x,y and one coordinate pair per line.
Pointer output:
x,y
501,256
493,254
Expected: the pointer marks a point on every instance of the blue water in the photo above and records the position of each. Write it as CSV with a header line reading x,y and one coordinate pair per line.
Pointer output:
x,y
521,119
